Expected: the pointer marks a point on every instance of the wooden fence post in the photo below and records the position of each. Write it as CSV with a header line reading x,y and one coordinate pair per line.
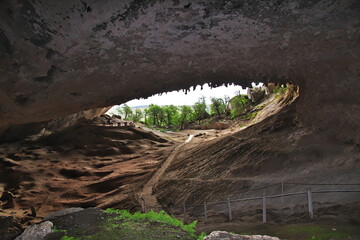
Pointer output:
x,y
185,219
229,207
205,212
264,208
310,203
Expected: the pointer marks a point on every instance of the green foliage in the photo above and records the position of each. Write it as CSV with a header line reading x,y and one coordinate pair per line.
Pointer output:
x,y
202,235
119,111
217,106
153,216
239,104
69,238
199,108
171,114
136,117
314,238
185,115
250,116
155,115
279,90
126,110
58,230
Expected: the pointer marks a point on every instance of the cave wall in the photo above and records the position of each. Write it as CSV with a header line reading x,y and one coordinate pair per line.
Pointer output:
x,y
60,57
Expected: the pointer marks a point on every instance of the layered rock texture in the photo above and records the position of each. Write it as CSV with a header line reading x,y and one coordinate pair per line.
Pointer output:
x,y
57,58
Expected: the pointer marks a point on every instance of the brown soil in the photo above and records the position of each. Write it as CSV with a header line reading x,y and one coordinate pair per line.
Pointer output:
x,y
239,164
85,166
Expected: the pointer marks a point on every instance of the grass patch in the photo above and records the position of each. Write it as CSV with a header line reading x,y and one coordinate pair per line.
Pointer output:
x,y
69,238
152,216
121,224
59,230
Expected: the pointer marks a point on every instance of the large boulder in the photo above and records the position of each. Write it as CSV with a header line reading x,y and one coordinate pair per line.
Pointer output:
x,y
222,235
37,232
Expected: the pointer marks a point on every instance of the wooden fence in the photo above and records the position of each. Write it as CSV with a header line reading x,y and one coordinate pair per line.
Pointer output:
x,y
228,202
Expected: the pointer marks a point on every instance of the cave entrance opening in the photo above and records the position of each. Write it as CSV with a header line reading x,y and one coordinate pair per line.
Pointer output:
x,y
202,108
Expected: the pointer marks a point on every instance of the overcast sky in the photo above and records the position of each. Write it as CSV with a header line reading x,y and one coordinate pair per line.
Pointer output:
x,y
179,98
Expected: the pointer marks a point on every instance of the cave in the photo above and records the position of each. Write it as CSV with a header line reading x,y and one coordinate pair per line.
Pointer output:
x,y
62,61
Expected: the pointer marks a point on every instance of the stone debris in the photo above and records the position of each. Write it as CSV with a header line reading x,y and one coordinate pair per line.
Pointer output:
x,y
222,235
36,232
62,213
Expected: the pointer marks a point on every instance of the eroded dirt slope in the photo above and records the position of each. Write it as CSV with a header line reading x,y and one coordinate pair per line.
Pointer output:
x,y
84,166
240,164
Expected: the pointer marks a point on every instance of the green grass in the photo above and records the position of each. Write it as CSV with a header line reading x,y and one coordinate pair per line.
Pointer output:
x,y
69,238
280,91
121,224
58,230
152,217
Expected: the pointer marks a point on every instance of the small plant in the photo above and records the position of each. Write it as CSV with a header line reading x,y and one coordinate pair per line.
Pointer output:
x,y
59,230
69,238
279,90
315,238
202,235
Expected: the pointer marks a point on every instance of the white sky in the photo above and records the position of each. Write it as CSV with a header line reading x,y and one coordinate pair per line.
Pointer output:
x,y
179,98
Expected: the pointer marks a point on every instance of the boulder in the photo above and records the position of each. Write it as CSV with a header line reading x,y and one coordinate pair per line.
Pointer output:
x,y
37,232
62,213
222,235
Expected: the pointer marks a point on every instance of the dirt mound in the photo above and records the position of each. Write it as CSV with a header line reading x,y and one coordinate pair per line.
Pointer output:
x,y
86,165
93,140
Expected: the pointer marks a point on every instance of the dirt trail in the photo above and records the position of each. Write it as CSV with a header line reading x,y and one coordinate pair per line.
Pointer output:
x,y
147,191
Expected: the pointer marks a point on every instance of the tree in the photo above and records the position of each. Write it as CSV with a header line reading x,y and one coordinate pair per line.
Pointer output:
x,y
119,111
154,112
200,109
127,112
226,100
146,113
137,116
217,106
185,115
170,112
239,104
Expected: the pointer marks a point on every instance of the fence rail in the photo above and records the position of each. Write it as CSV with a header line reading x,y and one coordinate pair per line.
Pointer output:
x,y
184,207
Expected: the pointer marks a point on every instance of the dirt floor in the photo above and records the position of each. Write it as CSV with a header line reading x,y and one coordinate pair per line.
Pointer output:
x,y
106,166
